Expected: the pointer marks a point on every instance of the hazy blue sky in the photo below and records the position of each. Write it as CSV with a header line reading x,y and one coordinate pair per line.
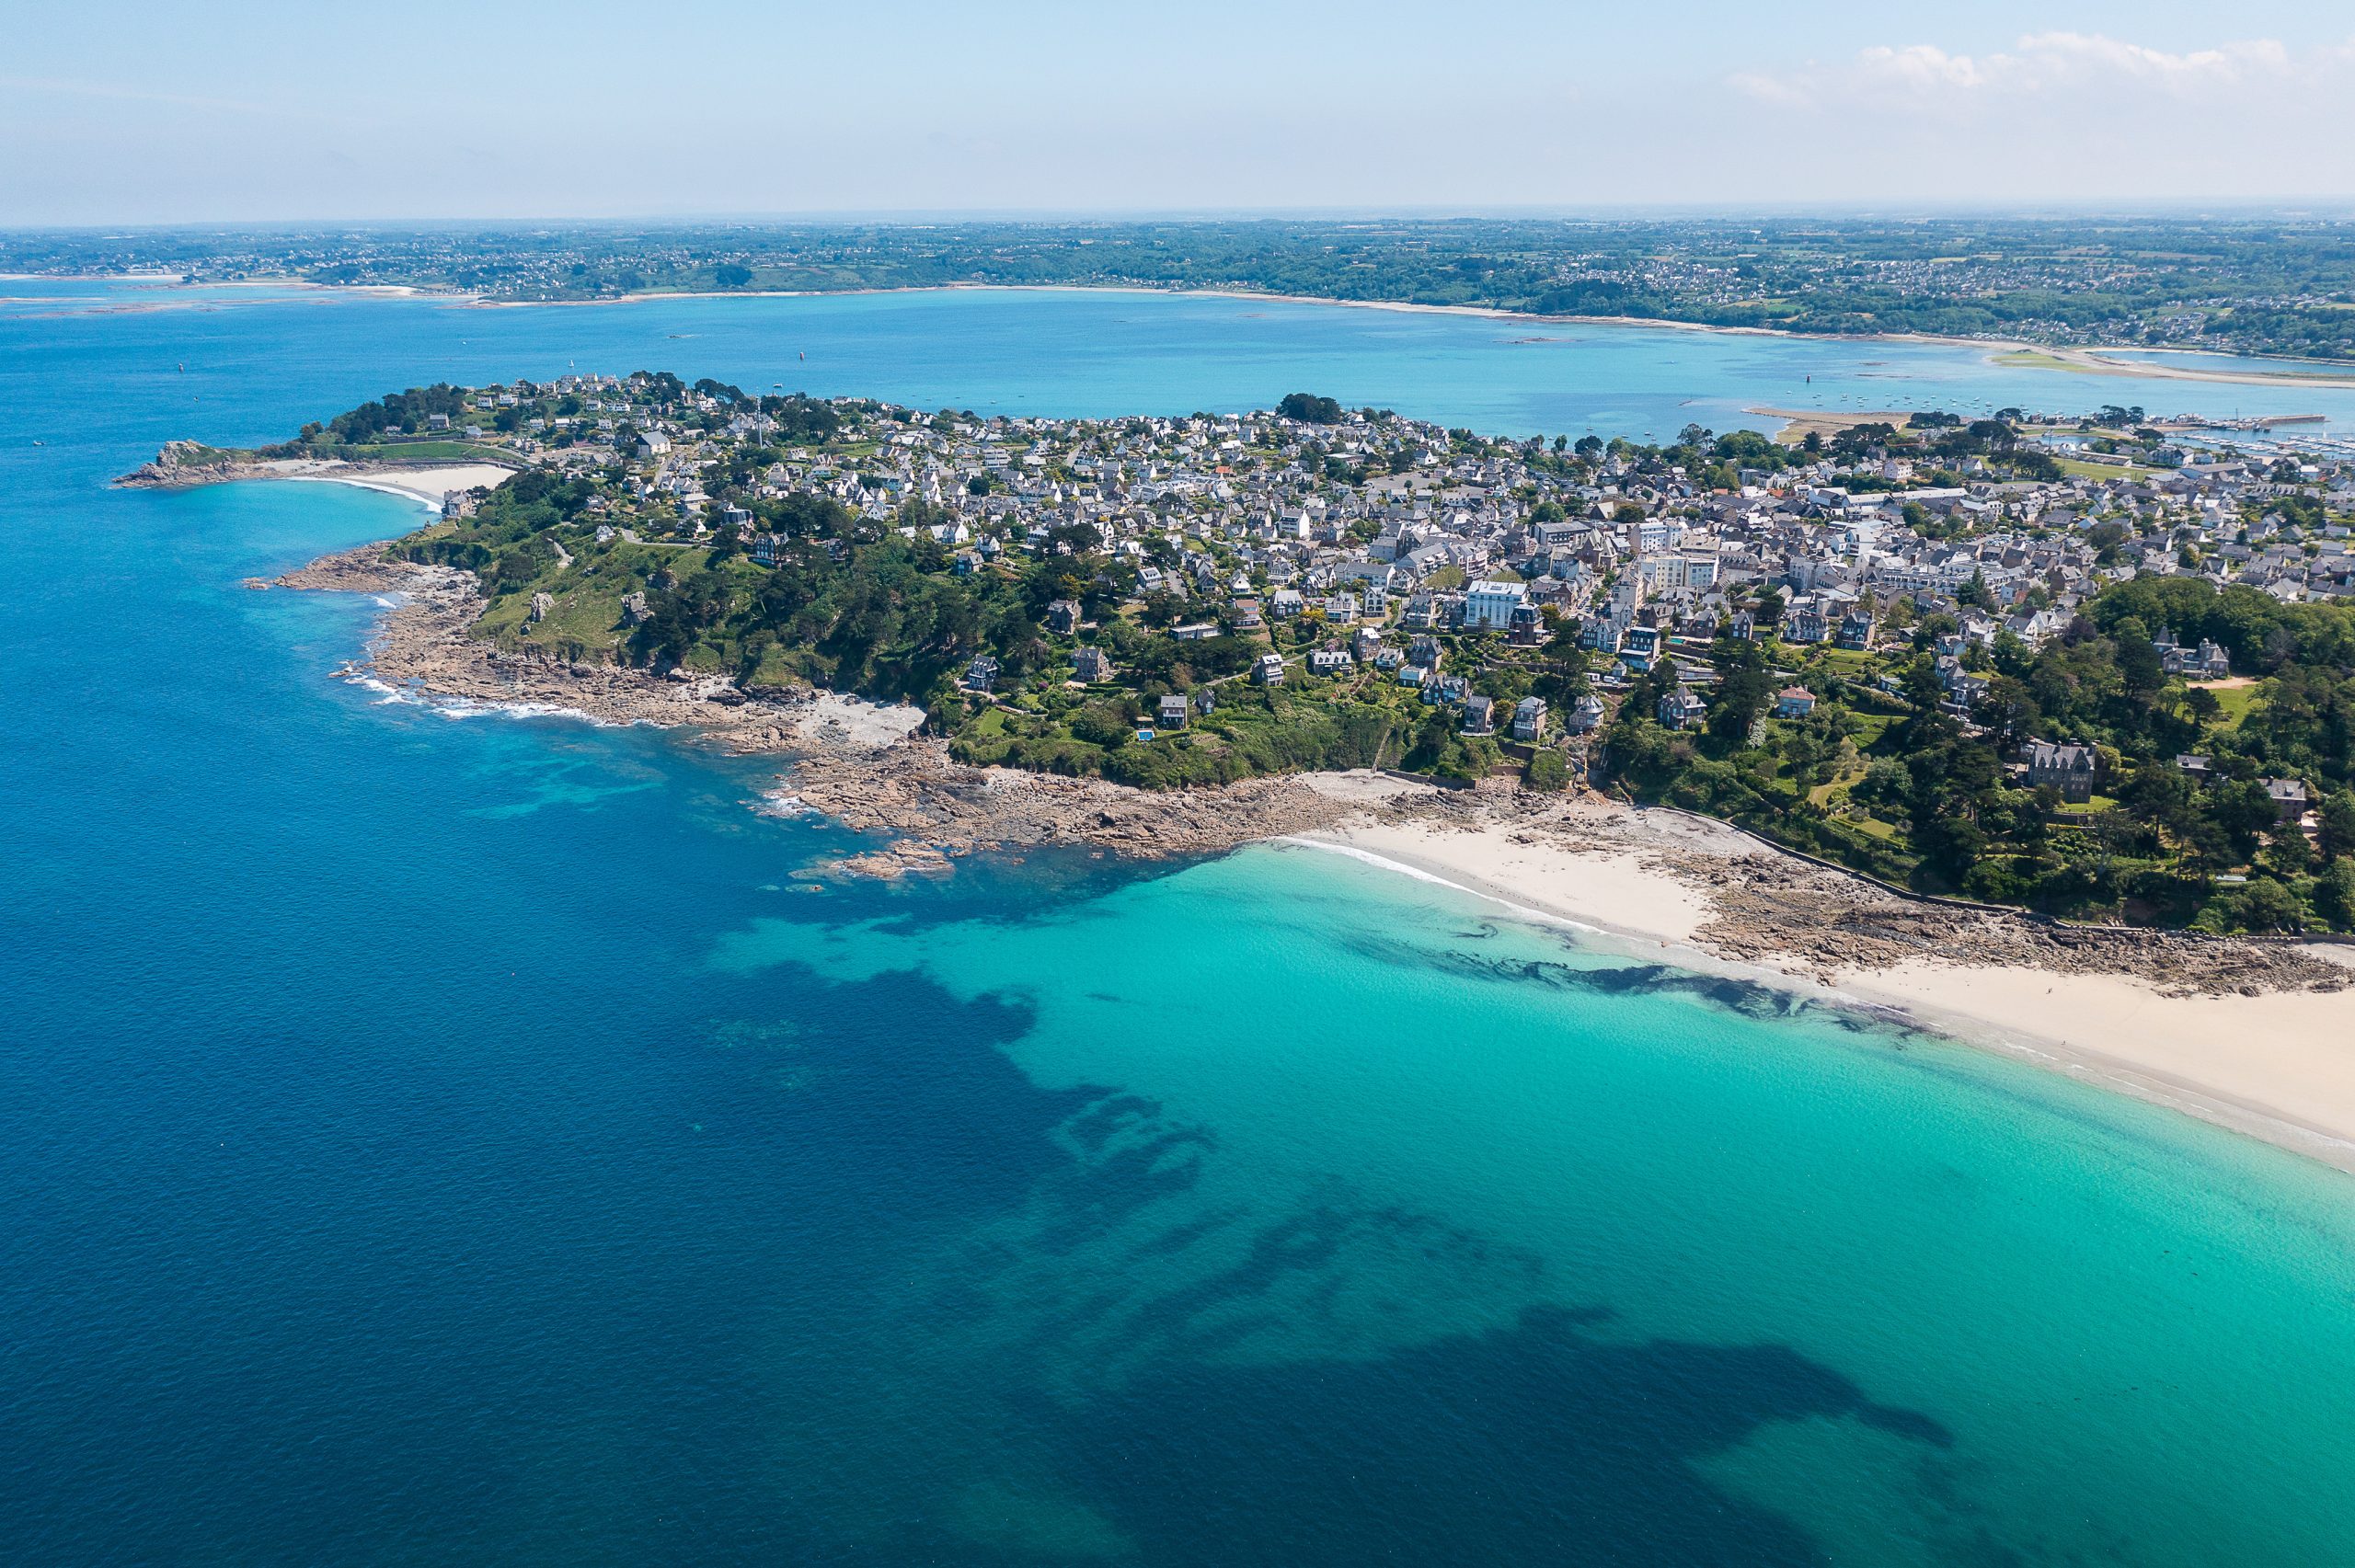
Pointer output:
x,y
122,113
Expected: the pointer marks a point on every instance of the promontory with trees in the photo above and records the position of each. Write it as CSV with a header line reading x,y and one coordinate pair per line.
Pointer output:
x,y
2084,664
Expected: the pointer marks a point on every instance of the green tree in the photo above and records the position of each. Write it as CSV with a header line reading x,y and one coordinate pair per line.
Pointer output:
x,y
2338,820
1739,701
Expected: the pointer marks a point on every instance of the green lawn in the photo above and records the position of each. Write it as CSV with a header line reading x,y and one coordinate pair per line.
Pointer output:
x,y
426,452
2234,703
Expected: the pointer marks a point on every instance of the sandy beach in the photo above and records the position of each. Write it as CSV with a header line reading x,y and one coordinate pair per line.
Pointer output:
x,y
2278,1065
426,485
1799,423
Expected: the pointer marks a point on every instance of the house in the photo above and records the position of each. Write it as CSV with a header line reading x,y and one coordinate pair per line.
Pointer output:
x,y
981,675
1330,661
1063,617
1480,716
2205,662
1488,606
1794,702
1805,626
1680,709
1855,631
654,443
2289,800
2195,767
1268,670
1092,664
1174,709
1639,647
2067,767
1526,627
1529,719
1586,717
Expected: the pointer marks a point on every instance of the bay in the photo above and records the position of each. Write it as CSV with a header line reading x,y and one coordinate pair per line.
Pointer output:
x,y
471,1140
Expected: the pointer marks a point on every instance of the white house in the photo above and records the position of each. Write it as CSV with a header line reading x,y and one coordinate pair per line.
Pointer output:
x,y
1488,606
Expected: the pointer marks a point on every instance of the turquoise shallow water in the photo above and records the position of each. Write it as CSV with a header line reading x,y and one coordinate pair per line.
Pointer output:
x,y
1067,353
468,1140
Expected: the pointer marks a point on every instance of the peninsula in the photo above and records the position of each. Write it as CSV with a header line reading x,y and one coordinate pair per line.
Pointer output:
x,y
2084,668
2074,666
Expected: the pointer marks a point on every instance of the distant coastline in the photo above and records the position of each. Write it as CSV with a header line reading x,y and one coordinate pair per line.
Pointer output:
x,y
2091,361
2335,376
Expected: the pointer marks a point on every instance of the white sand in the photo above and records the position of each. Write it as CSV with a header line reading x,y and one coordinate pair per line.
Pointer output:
x,y
1365,786
2281,1066
426,485
1604,891
834,719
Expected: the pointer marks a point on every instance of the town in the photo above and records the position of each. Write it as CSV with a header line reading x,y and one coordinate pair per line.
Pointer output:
x,y
2096,665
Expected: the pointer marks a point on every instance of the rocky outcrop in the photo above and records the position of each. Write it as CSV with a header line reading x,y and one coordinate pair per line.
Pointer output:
x,y
1771,908
869,775
915,790
182,463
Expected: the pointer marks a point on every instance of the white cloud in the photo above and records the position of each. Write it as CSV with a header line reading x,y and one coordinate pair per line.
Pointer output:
x,y
1921,65
2051,63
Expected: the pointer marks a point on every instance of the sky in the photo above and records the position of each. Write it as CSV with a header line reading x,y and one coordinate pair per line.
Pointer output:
x,y
253,112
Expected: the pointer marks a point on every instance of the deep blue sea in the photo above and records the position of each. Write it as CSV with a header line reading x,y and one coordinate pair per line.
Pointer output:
x,y
472,1141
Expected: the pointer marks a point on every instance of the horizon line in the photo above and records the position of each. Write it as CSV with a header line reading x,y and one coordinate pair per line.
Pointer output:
x,y
2319,207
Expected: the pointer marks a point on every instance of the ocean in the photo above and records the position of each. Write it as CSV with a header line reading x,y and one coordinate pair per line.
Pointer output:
x,y
461,1137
